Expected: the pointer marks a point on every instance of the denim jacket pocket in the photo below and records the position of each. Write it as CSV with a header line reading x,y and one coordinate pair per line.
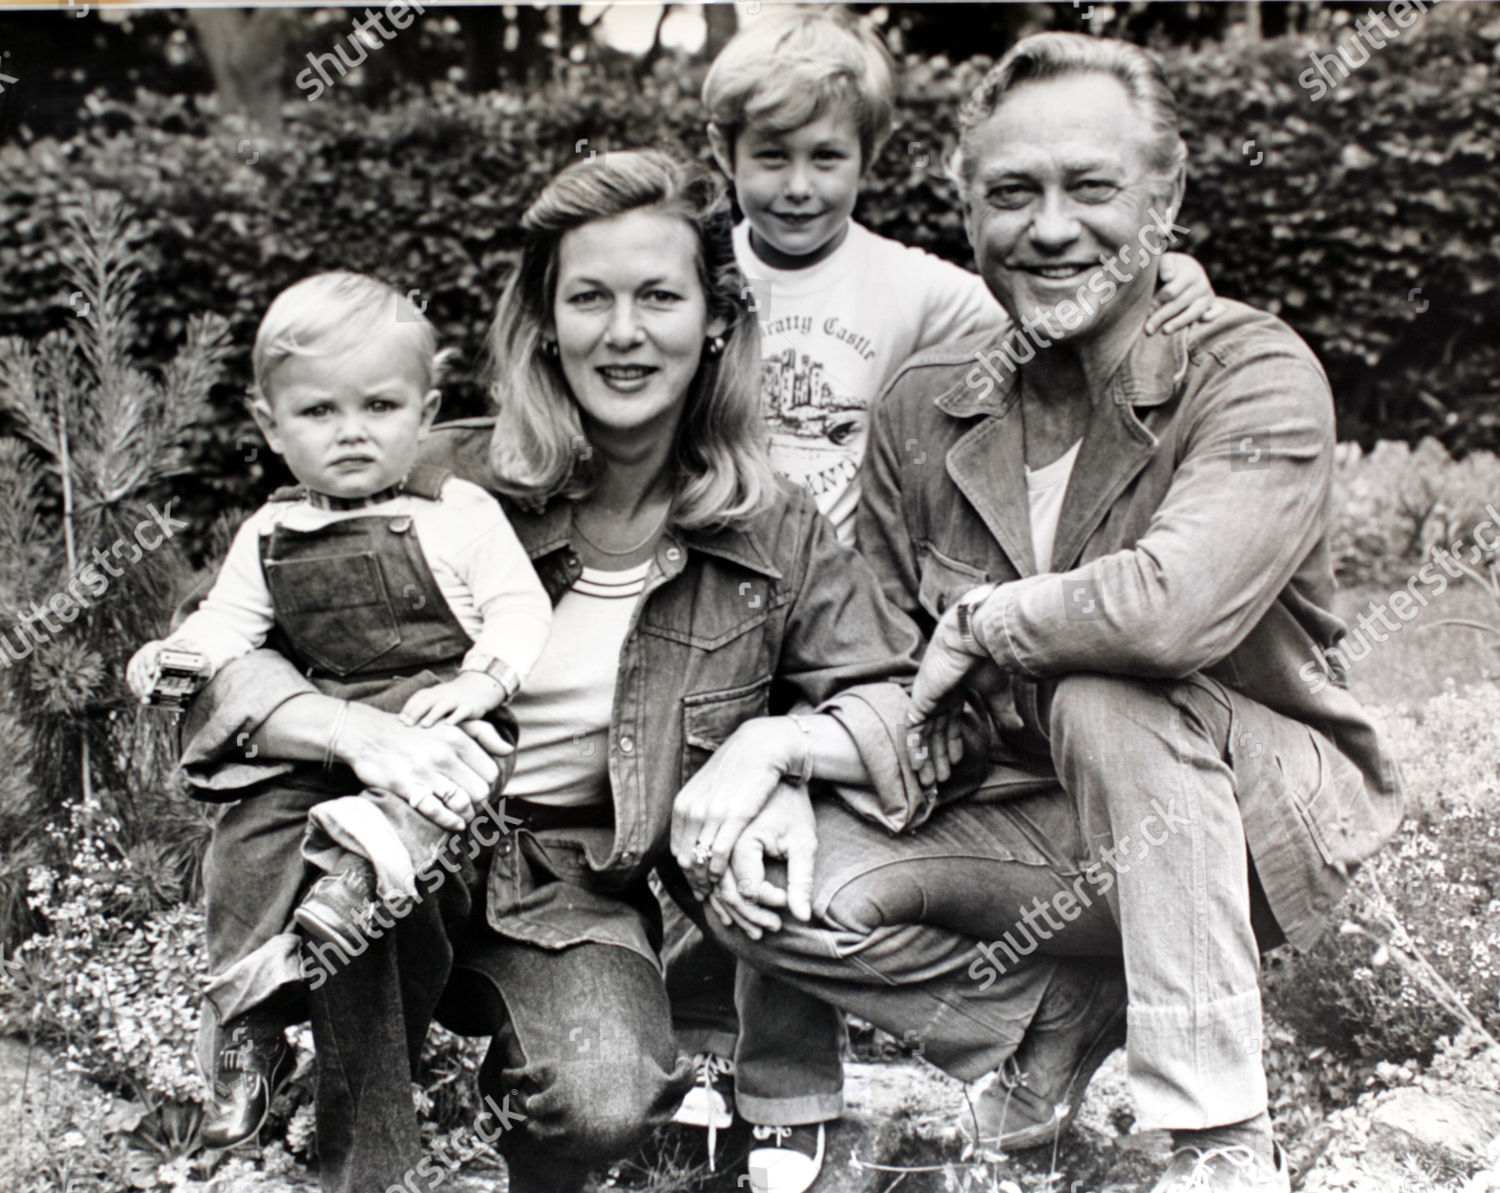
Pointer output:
x,y
944,580
708,718
716,616
342,618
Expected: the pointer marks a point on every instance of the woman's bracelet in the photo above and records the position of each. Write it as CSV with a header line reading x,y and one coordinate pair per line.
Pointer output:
x,y
806,773
330,757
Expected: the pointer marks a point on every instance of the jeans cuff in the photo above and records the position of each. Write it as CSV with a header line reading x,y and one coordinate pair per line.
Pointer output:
x,y
271,968
1196,1067
693,1040
797,1111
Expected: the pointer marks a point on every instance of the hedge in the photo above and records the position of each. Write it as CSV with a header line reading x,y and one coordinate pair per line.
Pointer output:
x,y
1386,185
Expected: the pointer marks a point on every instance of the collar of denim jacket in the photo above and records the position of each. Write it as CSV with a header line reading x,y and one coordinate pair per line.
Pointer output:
x,y
1149,375
551,529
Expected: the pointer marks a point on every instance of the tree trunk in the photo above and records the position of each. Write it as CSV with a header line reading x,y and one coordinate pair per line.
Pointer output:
x,y
722,21
246,51
483,30
1253,29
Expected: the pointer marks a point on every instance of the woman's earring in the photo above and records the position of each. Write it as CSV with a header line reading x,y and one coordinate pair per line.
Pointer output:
x,y
549,349
716,345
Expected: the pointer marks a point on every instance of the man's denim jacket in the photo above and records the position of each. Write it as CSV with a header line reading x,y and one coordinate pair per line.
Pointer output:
x,y
1193,538
733,625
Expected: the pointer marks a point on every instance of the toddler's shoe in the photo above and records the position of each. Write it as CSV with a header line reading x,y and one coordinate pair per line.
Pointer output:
x,y
339,910
252,1063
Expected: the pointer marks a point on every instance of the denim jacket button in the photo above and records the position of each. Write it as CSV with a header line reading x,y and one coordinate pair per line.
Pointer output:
x,y
674,553
628,858
400,525
627,744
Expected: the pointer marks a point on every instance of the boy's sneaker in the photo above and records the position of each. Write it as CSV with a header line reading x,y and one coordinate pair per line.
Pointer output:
x,y
710,1103
786,1159
1035,1095
252,1063
339,909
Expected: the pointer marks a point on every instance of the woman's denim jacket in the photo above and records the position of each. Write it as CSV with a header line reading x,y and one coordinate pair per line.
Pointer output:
x,y
1193,538
733,625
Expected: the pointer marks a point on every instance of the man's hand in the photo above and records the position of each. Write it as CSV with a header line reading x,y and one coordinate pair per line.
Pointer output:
x,y
785,829
445,772
713,808
949,664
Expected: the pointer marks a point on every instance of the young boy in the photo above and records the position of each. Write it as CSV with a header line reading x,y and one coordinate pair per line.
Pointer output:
x,y
398,586
798,110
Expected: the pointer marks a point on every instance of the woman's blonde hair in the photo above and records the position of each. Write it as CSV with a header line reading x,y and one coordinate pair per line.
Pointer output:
x,y
721,466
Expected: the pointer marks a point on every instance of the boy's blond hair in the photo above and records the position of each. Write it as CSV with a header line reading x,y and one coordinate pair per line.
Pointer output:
x,y
780,73
332,312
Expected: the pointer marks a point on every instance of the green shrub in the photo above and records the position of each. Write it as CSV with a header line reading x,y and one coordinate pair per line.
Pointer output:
x,y
1395,504
428,192
112,988
1365,990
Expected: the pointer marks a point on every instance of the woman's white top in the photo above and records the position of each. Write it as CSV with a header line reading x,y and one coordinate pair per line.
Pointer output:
x,y
564,709
1045,488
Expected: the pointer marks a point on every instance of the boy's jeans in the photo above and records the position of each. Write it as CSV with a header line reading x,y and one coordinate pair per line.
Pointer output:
x,y
787,1045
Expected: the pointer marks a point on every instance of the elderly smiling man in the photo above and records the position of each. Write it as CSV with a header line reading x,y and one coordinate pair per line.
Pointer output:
x,y
1119,543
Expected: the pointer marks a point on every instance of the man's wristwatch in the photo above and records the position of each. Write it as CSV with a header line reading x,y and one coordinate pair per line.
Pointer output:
x,y
963,613
497,669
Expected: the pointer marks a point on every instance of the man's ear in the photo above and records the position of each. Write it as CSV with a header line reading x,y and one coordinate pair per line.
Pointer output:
x,y
265,419
431,400
723,151
1174,195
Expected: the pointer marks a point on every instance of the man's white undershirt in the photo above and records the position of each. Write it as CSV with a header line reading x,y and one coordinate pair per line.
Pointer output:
x,y
1045,488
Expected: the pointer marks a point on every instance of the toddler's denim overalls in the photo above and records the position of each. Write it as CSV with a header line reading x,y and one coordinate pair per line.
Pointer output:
x,y
358,609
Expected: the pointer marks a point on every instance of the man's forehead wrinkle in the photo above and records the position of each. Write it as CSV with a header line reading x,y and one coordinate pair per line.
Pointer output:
x,y
1019,158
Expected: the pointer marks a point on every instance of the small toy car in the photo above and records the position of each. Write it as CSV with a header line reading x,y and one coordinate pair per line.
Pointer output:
x,y
179,675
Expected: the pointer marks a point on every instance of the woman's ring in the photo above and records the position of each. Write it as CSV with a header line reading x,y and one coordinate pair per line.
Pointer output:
x,y
702,853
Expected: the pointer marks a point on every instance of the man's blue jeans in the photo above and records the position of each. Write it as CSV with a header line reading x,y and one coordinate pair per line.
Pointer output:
x,y
947,937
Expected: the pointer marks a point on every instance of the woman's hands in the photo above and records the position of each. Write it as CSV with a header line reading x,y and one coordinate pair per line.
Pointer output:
x,y
445,772
1184,296
786,830
716,804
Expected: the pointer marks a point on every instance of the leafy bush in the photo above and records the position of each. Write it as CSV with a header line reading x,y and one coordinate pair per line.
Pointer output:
x,y
428,192
1418,955
1395,504
112,988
